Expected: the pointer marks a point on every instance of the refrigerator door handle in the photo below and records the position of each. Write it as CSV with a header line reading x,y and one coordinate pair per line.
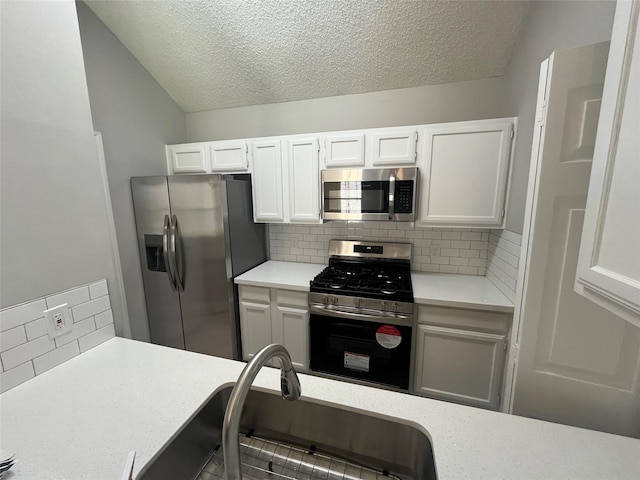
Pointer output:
x,y
175,267
165,253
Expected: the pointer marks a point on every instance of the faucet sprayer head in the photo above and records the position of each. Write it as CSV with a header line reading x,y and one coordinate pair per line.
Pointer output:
x,y
289,384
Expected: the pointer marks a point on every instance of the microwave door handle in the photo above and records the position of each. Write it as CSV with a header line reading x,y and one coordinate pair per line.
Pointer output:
x,y
392,190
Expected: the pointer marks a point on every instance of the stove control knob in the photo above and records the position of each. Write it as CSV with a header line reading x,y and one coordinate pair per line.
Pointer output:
x,y
358,302
383,306
394,307
334,300
324,299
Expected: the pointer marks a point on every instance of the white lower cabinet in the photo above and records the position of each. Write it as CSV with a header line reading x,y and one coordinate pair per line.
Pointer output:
x,y
275,316
460,355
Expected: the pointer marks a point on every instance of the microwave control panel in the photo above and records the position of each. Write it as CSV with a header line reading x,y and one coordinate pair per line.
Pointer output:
x,y
403,196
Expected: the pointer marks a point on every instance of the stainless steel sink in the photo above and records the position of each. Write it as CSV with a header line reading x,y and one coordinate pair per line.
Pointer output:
x,y
319,431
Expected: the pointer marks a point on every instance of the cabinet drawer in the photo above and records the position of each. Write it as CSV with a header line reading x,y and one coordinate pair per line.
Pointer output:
x,y
255,294
289,298
491,322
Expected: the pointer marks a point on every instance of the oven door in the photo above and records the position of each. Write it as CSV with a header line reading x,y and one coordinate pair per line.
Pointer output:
x,y
370,351
369,194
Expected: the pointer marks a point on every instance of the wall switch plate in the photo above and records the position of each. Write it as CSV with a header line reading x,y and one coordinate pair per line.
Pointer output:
x,y
435,250
58,320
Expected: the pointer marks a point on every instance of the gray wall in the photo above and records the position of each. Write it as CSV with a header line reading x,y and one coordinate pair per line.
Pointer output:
x,y
551,26
55,230
136,118
451,102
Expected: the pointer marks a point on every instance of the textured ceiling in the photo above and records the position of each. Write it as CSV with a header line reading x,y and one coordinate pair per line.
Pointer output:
x,y
228,53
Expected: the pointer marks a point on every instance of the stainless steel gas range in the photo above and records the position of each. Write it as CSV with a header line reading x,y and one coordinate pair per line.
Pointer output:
x,y
361,309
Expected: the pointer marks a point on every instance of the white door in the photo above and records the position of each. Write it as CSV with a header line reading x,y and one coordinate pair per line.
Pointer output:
x,y
578,363
464,173
344,150
304,203
229,156
291,329
609,261
267,181
459,365
394,147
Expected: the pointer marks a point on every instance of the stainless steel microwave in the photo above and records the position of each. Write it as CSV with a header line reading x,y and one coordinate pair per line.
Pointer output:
x,y
370,194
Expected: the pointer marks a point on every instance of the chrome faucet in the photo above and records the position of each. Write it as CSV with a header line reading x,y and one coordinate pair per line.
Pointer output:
x,y
289,385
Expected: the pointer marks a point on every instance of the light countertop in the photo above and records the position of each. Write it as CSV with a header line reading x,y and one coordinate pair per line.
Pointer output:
x,y
286,275
452,290
440,289
80,419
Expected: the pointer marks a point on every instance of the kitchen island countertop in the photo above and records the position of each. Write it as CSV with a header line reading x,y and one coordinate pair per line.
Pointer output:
x,y
80,420
438,289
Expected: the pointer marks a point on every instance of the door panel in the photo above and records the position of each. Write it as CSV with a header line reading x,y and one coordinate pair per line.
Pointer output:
x,y
207,295
460,365
256,327
151,204
578,363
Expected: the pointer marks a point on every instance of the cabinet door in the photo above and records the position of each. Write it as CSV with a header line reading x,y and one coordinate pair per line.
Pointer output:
x,y
267,181
291,325
303,180
255,320
229,156
344,150
188,158
394,147
608,271
464,173
459,365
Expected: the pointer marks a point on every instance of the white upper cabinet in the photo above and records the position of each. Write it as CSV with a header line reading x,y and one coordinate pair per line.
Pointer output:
x,y
393,147
267,181
229,156
463,173
303,170
188,158
344,150
608,270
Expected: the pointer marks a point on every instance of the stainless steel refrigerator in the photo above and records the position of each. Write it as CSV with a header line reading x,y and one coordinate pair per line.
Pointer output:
x,y
196,234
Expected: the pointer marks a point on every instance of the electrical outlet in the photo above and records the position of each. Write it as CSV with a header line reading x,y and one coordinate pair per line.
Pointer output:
x,y
58,320
435,250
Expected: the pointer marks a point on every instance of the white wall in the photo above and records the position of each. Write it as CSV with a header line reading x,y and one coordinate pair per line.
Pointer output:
x,y
136,118
55,231
451,102
551,25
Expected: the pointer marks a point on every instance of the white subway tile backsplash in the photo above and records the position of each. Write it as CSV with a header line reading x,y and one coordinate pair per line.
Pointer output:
x,y
503,257
96,338
36,329
25,347
12,338
103,319
70,297
16,376
468,270
19,315
56,357
471,236
91,308
25,352
98,289
448,269
81,328
457,247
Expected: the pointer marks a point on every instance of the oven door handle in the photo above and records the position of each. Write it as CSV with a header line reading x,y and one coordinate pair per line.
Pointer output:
x,y
393,318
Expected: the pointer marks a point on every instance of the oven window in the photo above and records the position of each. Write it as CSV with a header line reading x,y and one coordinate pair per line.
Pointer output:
x,y
350,348
356,197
